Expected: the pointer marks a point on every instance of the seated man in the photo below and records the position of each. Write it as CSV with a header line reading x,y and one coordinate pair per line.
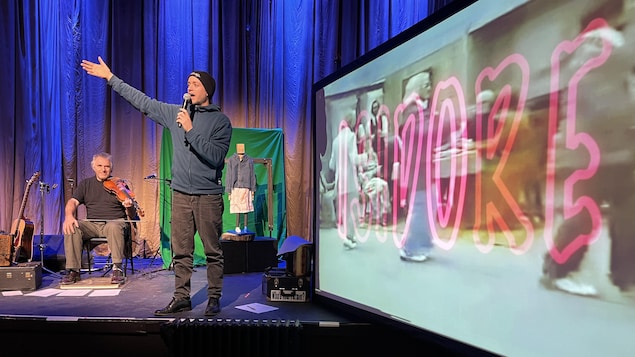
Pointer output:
x,y
374,189
101,204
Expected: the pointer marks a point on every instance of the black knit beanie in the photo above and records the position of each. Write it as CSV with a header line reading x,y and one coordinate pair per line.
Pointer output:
x,y
208,82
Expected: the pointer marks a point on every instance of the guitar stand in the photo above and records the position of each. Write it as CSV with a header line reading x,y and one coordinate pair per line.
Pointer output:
x,y
44,188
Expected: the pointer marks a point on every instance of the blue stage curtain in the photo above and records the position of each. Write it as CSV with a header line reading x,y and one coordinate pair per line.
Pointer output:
x,y
265,56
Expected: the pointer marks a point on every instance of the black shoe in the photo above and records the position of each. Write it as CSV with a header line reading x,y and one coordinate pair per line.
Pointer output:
x,y
175,306
213,307
71,278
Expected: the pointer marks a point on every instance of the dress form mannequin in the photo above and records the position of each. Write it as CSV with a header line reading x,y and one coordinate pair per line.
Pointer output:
x,y
241,186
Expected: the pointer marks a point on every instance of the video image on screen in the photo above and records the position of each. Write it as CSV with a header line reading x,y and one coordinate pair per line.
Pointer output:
x,y
476,179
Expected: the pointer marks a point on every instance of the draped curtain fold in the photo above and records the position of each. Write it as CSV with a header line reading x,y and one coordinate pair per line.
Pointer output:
x,y
265,56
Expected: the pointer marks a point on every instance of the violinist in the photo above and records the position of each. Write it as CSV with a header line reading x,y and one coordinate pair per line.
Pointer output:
x,y
102,201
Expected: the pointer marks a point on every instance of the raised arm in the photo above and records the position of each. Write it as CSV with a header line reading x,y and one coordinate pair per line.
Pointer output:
x,y
100,69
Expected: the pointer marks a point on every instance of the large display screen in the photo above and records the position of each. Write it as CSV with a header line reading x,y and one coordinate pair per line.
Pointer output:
x,y
475,179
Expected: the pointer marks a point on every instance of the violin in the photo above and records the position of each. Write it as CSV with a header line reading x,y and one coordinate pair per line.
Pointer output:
x,y
119,187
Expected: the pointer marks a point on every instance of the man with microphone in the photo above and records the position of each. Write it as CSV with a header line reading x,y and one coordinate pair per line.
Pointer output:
x,y
198,158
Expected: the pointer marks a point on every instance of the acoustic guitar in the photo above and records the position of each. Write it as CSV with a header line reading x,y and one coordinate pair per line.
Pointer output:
x,y
22,229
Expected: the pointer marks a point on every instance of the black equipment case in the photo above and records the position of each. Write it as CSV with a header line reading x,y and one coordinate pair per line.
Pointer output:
x,y
278,285
22,276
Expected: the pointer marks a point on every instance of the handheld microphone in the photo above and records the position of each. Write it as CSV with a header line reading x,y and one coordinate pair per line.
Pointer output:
x,y
186,101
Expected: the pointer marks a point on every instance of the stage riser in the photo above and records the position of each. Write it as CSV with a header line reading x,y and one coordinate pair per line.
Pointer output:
x,y
210,337
249,256
236,338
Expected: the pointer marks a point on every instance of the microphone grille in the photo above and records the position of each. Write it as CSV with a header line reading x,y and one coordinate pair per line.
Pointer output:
x,y
186,96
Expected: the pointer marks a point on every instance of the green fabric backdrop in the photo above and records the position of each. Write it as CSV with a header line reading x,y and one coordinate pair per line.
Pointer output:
x,y
259,144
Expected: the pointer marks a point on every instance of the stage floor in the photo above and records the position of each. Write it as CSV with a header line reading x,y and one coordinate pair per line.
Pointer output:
x,y
104,320
150,287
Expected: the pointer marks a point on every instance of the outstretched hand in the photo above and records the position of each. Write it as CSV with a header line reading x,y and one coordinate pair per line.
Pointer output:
x,y
100,69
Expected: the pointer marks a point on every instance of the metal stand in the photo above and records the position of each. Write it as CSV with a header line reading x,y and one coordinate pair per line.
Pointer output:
x,y
156,254
154,257
44,188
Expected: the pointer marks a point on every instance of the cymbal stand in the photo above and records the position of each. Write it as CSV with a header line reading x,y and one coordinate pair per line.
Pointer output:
x,y
44,189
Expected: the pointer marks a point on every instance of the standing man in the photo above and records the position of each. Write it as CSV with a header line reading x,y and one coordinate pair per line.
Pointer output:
x,y
101,204
198,159
604,112
345,160
417,240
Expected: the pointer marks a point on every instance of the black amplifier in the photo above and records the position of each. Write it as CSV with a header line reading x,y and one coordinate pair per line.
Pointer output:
x,y
278,285
22,276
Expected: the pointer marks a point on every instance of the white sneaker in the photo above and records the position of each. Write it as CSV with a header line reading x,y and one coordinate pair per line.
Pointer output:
x,y
571,286
412,257
350,244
